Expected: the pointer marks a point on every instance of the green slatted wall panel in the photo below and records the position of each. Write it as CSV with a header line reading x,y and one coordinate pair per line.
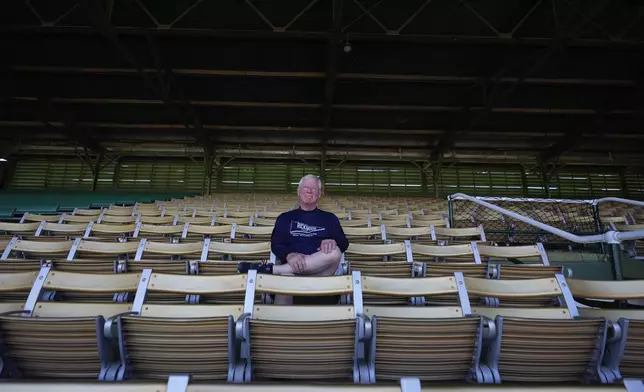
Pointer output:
x,y
106,178
236,178
296,172
584,184
568,184
255,178
187,175
605,184
448,181
635,184
405,181
341,180
271,178
154,175
52,174
373,180
482,181
534,184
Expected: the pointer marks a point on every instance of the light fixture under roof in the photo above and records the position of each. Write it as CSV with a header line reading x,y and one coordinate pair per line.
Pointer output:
x,y
3,160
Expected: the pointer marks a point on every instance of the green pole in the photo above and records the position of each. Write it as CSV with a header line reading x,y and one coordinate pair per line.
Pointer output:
x,y
616,251
451,212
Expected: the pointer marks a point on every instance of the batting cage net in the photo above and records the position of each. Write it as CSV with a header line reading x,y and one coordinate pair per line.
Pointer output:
x,y
575,216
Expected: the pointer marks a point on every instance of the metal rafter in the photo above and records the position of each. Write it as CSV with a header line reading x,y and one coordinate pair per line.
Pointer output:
x,y
525,17
573,139
371,15
70,128
306,36
498,97
481,17
413,16
565,144
102,24
169,82
318,75
34,11
296,17
184,13
261,15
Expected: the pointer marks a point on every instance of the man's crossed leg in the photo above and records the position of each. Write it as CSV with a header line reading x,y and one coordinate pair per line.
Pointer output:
x,y
319,263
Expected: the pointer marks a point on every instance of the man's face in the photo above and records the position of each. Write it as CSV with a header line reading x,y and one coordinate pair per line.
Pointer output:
x,y
309,192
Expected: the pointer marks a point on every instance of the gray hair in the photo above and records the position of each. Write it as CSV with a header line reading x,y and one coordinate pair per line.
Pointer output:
x,y
309,177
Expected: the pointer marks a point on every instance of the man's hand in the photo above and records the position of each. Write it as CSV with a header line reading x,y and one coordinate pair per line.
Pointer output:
x,y
328,246
297,262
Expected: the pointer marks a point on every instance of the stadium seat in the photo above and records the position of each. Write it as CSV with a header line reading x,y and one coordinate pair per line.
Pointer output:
x,y
541,269
49,229
19,229
194,232
542,344
377,252
157,232
14,289
250,234
356,223
40,249
306,343
467,253
67,218
153,249
363,235
102,231
27,217
194,339
95,249
61,339
435,343
449,235
515,253
625,349
406,233
117,219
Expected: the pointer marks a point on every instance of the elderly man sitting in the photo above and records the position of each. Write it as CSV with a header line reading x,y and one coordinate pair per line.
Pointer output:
x,y
307,240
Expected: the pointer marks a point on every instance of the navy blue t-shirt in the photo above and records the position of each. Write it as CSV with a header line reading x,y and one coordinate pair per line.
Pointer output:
x,y
300,231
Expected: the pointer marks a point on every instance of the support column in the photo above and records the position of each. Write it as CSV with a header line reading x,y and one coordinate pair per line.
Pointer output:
x,y
208,162
96,171
436,172
616,262
546,177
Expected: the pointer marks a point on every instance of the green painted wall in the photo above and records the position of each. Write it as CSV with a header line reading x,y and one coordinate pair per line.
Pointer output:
x,y
385,179
16,203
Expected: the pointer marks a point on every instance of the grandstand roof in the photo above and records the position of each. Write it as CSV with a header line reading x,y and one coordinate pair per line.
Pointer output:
x,y
466,81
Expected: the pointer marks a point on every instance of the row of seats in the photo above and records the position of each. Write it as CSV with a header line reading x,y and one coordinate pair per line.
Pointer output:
x,y
250,340
181,383
233,231
268,207
137,249
251,218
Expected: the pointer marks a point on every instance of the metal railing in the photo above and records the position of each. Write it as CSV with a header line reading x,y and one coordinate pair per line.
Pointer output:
x,y
619,200
610,237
